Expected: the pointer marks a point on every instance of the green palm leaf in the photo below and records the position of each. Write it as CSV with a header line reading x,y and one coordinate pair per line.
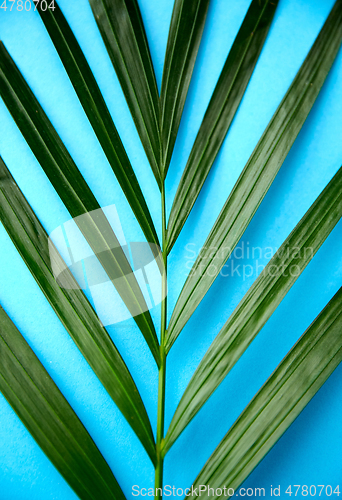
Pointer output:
x,y
24,381
97,112
259,303
260,171
280,400
223,105
73,191
187,24
50,419
72,307
124,36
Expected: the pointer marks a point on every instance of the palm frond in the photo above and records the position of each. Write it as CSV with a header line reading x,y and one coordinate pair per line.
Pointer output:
x,y
23,380
280,400
98,114
221,110
73,191
260,171
259,303
186,28
124,36
72,307
50,419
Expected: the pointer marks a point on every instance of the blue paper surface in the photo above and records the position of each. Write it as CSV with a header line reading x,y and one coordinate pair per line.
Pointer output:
x,y
310,452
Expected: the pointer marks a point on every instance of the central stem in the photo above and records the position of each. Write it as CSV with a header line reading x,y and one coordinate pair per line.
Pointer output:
x,y
162,368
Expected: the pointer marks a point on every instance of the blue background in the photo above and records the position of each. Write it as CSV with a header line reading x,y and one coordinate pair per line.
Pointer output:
x,y
310,452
